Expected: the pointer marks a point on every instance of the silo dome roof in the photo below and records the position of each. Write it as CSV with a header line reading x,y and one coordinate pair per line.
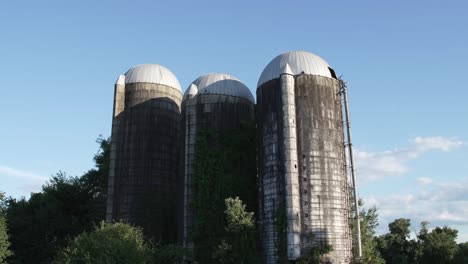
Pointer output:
x,y
220,83
152,73
298,62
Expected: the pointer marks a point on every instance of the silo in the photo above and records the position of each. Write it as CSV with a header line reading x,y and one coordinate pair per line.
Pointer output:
x,y
144,151
303,188
218,104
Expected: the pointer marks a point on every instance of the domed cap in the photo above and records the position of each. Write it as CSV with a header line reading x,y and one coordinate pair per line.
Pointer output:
x,y
298,62
152,73
219,83
191,91
120,80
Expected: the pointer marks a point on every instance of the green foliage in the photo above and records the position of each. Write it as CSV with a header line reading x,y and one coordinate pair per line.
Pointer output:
x,y
439,246
435,247
224,253
395,247
369,222
281,224
224,167
239,245
166,254
3,204
208,197
109,243
238,219
4,242
400,227
462,254
66,207
315,254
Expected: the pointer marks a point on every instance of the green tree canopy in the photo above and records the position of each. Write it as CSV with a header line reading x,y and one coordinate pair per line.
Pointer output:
x,y
4,242
462,254
237,218
395,247
439,246
369,222
169,254
65,207
116,243
239,244
400,227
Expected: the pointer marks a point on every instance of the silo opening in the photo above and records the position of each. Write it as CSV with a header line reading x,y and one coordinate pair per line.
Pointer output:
x,y
332,73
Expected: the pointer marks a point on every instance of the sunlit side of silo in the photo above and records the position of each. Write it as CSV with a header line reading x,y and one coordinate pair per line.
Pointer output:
x,y
301,160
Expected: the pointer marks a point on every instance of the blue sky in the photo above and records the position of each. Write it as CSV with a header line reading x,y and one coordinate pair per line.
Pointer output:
x,y
404,61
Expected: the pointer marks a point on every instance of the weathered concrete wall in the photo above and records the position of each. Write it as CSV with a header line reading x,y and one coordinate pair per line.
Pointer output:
x,y
206,111
324,205
324,187
291,167
270,159
146,160
189,130
119,105
222,112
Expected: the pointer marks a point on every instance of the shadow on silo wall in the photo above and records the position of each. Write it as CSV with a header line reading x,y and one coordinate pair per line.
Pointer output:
x,y
270,168
146,167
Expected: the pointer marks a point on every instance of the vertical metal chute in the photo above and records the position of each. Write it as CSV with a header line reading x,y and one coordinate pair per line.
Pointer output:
x,y
351,171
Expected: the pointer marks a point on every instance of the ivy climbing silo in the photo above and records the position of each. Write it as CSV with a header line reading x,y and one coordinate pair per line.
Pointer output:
x,y
219,157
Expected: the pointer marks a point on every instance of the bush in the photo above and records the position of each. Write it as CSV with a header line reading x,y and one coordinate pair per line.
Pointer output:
x,y
109,243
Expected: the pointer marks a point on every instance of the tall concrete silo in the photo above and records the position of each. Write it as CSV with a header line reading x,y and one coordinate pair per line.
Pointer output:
x,y
214,102
144,151
303,188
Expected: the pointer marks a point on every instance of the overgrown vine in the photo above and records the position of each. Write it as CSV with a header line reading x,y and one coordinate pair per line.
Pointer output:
x,y
224,167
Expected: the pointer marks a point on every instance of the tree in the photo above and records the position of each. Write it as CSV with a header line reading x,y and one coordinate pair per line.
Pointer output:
x,y
369,222
421,237
237,218
400,227
109,243
169,253
439,246
4,242
395,247
239,245
462,254
65,207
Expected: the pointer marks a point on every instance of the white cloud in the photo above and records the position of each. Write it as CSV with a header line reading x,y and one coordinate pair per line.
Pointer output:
x,y
424,180
8,172
18,182
28,188
423,144
377,165
423,198
439,203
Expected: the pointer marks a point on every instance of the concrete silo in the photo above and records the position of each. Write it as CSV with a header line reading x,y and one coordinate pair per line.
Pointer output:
x,y
219,103
144,151
303,188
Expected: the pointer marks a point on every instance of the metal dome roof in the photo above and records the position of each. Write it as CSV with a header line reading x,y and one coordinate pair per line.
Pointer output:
x,y
219,83
152,73
298,62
